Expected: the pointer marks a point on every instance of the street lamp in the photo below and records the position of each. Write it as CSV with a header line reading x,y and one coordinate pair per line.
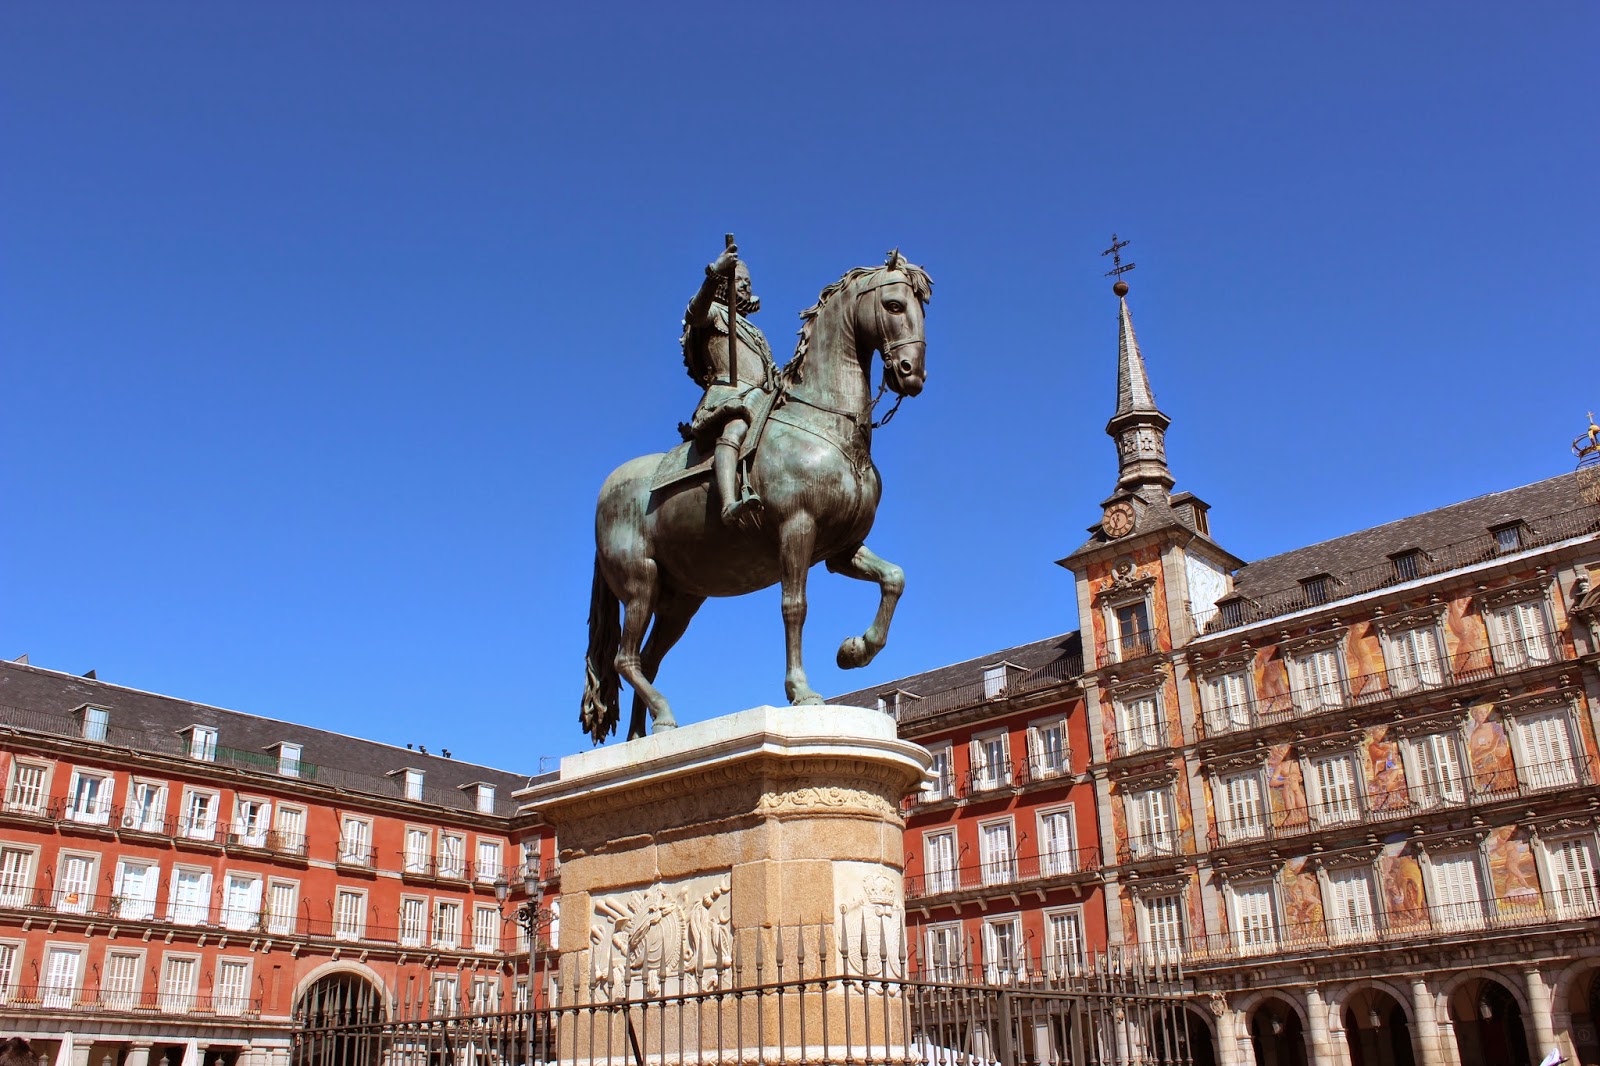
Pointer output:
x,y
528,916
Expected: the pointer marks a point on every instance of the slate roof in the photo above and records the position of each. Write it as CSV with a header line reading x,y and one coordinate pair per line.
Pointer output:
x,y
961,684
44,701
1547,506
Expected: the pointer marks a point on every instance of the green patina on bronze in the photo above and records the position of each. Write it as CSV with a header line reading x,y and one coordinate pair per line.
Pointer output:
x,y
674,528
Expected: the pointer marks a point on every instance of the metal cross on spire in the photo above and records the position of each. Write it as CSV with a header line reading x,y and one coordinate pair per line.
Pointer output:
x,y
1115,252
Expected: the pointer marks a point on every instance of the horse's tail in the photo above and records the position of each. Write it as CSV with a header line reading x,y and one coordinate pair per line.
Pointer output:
x,y
602,706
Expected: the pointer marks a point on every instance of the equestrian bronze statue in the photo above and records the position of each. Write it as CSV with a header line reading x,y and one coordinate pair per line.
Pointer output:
x,y
674,528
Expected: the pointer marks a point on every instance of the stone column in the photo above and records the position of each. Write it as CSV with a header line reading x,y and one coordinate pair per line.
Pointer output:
x,y
1227,1039
1338,1038
80,1053
1425,1011
1244,1047
138,1055
696,859
1323,1052
1541,1027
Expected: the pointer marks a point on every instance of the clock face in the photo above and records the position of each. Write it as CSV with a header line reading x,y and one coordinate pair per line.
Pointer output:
x,y
1118,520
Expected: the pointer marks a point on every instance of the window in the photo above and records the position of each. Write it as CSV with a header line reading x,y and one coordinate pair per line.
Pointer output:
x,y
189,902
16,877
1057,842
289,760
200,815
1162,916
1434,769
1149,818
940,849
413,921
990,768
483,994
178,981
1316,680
1227,702
1131,625
485,799
202,743
233,986
61,969
146,809
1521,634
485,929
251,820
998,852
1063,942
446,995
1230,613
419,846
355,841
1573,878
1415,659
75,883
446,924
1241,807
1457,891
945,957
1508,538
413,784
1315,589
95,723
282,897
91,798
1407,565
135,889
1350,909
1254,922
943,785
1047,747
452,855
1335,796
1543,747
488,865
994,680
1139,724
8,972
292,830
119,985
349,915
1003,961
241,902
27,793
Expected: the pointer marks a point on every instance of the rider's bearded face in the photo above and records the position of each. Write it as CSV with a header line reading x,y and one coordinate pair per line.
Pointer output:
x,y
749,302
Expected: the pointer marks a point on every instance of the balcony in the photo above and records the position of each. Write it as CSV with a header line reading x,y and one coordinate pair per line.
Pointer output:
x,y
1037,771
272,842
1420,923
999,878
1138,739
1126,647
93,1000
1149,847
356,854
1364,690
1405,803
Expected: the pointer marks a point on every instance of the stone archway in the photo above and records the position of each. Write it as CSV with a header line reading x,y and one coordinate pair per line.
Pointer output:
x,y
1377,1029
1489,1025
1277,1034
338,998
1579,999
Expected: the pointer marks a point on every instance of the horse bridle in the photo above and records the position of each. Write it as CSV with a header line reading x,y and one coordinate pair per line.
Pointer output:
x,y
887,350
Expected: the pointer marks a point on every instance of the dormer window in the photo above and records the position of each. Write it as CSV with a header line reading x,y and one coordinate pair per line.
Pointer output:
x,y
1230,613
413,784
1407,565
1508,538
896,701
995,679
288,760
482,796
201,741
95,723
1315,589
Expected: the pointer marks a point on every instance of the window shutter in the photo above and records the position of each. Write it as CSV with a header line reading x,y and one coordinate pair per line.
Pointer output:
x,y
1253,908
1573,865
1548,747
1455,881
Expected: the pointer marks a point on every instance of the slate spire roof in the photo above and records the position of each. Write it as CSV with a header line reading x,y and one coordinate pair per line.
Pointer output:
x,y
1138,426
1133,382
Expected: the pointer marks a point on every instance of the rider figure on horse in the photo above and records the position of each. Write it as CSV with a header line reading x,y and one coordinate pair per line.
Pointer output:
x,y
732,386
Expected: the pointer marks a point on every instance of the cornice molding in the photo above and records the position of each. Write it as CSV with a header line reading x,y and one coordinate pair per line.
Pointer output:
x,y
1324,638
1431,615
1489,599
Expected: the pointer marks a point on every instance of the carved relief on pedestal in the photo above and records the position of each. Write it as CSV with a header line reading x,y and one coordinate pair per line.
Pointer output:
x,y
871,920
667,938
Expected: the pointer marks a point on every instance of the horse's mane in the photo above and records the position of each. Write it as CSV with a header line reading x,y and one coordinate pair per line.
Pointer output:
x,y
920,283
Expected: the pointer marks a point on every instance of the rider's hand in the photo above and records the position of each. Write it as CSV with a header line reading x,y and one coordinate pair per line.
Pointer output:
x,y
725,263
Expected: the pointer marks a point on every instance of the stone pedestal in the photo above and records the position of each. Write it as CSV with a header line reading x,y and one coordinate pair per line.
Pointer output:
x,y
759,848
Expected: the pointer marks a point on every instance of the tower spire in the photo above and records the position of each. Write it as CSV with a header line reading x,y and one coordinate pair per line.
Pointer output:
x,y
1138,425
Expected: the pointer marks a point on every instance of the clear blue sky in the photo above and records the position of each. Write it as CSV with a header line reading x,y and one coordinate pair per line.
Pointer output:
x,y
322,324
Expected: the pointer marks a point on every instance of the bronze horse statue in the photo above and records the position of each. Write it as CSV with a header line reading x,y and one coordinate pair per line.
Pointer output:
x,y
661,547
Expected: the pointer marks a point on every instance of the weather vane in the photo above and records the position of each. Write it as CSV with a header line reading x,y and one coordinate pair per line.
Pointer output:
x,y
1115,252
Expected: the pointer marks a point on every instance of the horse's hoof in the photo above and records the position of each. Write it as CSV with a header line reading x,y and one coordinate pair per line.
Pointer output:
x,y
810,699
854,652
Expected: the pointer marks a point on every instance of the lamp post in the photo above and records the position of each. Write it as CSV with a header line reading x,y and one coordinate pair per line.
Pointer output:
x,y
528,916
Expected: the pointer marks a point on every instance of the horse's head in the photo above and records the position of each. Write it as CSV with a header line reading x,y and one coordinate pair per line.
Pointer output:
x,y
890,318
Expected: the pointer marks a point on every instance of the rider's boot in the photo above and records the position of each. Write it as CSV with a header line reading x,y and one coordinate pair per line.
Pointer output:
x,y
736,508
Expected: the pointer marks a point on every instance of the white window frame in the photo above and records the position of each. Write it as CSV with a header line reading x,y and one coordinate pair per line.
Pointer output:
x,y
140,814
1137,810
1512,643
76,895
412,784
1163,940
447,934
278,921
200,742
290,824
1129,645
943,784
1041,762
190,911
1227,698
349,918
997,866
1351,926
1070,959
98,810
1337,810
178,996
231,998
35,799
122,986
453,866
1253,915
1138,731
1057,858
289,759
96,723
246,915
444,995
414,915
193,827
1573,887
1436,768
483,798
1005,956
355,840
1310,686
489,862
1248,818
945,943
18,876
139,907
418,851
1453,906
1540,770
240,829
987,773
59,984
1411,667
10,953
486,928
941,876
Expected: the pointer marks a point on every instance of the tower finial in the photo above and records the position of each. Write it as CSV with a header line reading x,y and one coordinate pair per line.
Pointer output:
x,y
1118,267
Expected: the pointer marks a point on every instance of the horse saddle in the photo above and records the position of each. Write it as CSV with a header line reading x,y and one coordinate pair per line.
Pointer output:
x,y
694,461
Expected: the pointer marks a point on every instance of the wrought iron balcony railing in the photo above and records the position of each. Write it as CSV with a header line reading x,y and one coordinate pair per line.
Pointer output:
x,y
915,706
1005,874
1132,645
97,1000
1145,847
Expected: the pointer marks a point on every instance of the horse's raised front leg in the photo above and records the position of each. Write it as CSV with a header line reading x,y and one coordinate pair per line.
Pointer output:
x,y
638,596
796,539
863,565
